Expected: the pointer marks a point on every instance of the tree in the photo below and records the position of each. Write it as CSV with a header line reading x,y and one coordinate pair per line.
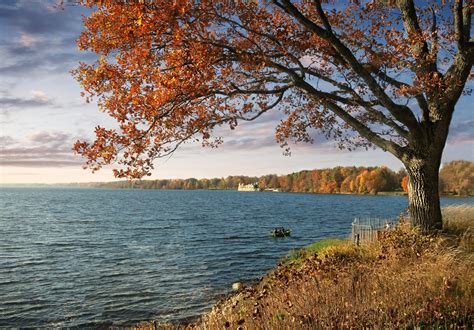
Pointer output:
x,y
401,173
404,183
372,73
457,177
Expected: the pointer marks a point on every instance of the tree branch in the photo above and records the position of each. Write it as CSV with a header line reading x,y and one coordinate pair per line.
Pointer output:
x,y
410,22
402,113
322,15
359,127
262,111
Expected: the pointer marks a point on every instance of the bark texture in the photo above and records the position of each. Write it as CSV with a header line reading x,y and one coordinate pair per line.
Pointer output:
x,y
423,195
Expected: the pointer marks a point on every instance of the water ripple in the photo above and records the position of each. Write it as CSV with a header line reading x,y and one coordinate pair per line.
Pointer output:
x,y
96,258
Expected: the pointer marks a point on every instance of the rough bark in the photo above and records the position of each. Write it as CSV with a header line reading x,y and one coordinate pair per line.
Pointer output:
x,y
423,195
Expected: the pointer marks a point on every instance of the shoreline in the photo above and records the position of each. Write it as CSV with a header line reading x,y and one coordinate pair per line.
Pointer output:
x,y
332,263
315,287
80,187
220,297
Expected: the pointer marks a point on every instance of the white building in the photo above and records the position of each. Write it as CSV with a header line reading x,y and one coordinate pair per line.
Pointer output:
x,y
248,187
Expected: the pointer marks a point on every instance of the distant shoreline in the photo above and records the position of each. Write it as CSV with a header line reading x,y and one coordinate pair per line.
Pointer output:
x,y
99,186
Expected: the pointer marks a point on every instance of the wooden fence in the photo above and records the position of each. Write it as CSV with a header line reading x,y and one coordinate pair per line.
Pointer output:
x,y
366,230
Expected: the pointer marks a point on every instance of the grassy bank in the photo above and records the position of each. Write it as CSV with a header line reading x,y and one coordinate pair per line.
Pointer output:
x,y
404,280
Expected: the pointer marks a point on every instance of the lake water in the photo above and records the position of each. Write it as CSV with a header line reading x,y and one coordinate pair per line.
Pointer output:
x,y
71,257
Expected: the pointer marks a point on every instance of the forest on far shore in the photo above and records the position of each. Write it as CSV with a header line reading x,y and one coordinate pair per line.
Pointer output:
x,y
456,178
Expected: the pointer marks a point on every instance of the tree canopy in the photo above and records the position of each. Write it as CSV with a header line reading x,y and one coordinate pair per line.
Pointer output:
x,y
457,177
365,73
362,73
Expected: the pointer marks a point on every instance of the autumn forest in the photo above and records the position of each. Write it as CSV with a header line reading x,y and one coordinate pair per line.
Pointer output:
x,y
456,178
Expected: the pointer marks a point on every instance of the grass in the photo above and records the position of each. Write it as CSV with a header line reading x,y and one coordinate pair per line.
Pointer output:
x,y
406,280
458,218
324,244
297,256
458,225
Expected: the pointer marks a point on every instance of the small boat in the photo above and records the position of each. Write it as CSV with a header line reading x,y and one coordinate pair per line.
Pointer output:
x,y
280,232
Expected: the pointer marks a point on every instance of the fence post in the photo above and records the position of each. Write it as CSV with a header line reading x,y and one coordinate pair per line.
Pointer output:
x,y
353,231
369,229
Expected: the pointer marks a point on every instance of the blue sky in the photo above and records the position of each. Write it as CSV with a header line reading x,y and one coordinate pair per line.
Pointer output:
x,y
42,114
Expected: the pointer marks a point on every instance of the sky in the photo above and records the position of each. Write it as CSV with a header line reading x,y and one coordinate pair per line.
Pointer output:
x,y
42,114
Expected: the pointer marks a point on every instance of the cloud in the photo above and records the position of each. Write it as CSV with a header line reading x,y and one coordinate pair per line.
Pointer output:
x,y
462,132
35,39
38,99
4,140
253,143
47,137
250,143
35,17
259,135
40,149
50,57
18,102
40,95
27,40
39,163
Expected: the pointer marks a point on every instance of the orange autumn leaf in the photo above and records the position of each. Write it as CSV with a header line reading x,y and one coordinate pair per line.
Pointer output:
x,y
384,74
405,184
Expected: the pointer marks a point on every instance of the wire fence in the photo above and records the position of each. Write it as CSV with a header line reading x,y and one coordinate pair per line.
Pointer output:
x,y
366,230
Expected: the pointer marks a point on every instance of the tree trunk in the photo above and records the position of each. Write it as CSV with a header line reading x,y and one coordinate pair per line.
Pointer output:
x,y
423,195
